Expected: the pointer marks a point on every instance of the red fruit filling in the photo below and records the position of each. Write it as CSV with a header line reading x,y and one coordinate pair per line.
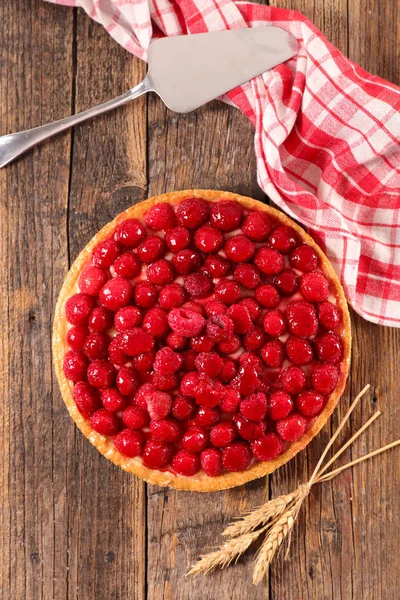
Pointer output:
x,y
209,345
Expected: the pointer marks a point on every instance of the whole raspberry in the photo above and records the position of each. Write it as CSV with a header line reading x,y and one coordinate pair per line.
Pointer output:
x,y
161,216
298,350
236,457
254,408
127,381
274,323
195,439
183,408
214,307
291,428
328,347
78,308
165,430
269,261
222,435
136,341
189,384
100,319
230,401
115,354
201,343
229,346
309,403
209,392
87,398
130,233
145,294
304,258
239,249
216,266
208,239
254,339
324,378
105,422
96,345
293,380
101,374
240,316
328,315
127,265
280,405
155,322
247,275
207,416
219,328
252,306
314,287
198,285
91,280
211,462
112,400
176,341
283,239
228,371
186,261
186,322
192,213
127,317
267,447
272,354
151,249
167,361
302,319
135,417
226,215
129,442
160,272
257,226
141,395
157,455
268,296
249,430
287,282
76,337
172,296
159,404
209,363
227,291
74,365
246,381
116,293
144,362
252,360
106,253
186,463
178,238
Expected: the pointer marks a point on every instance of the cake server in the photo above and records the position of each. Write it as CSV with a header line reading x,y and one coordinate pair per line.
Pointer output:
x,y
186,72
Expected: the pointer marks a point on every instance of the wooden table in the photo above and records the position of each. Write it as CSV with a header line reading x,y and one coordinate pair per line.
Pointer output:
x,y
73,525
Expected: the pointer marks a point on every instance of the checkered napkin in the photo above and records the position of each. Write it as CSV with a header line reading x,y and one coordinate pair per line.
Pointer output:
x,y
326,136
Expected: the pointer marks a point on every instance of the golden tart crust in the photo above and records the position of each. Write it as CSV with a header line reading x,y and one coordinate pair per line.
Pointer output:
x,y
199,482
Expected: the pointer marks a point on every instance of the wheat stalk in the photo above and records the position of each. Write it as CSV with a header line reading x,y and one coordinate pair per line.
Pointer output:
x,y
260,516
228,552
277,517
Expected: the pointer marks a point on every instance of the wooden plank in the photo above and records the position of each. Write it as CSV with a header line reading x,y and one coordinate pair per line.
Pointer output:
x,y
35,87
106,506
210,148
345,543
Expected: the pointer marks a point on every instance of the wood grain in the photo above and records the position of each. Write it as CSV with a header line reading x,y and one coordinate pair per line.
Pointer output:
x,y
105,506
72,525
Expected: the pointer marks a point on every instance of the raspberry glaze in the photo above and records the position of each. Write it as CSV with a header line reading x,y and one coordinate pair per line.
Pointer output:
x,y
214,347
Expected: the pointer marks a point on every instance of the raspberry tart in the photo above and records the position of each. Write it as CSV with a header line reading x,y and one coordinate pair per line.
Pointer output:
x,y
201,340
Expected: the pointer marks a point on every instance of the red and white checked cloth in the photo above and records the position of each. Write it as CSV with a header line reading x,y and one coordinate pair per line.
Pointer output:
x,y
326,136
